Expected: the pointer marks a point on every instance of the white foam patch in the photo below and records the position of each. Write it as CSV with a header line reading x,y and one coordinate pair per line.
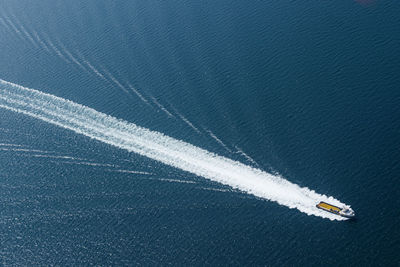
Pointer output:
x,y
157,146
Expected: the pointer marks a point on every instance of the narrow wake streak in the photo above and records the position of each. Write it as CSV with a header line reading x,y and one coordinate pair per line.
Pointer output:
x,y
157,146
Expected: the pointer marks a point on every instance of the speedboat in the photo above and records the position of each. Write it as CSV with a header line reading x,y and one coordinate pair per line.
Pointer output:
x,y
344,211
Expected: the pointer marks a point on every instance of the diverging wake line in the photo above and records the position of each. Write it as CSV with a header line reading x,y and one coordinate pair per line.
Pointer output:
x,y
157,146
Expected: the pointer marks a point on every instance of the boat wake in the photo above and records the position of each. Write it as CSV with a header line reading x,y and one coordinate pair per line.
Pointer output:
x,y
157,146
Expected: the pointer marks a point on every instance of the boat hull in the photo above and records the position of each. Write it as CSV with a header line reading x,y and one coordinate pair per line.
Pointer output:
x,y
335,210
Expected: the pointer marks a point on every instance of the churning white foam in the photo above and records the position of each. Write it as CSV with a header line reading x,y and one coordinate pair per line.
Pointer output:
x,y
157,146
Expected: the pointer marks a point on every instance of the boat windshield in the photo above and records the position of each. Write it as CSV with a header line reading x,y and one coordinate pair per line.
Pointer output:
x,y
346,210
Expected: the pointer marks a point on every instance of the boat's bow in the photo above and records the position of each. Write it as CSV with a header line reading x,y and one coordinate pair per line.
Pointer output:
x,y
347,212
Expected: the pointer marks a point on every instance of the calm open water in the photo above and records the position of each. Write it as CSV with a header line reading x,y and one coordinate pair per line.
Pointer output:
x,y
309,90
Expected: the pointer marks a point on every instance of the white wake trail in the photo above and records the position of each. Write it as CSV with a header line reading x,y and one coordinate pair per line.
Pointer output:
x,y
186,121
71,57
218,140
241,152
157,146
12,27
55,49
37,37
24,31
9,144
116,82
138,94
5,25
161,107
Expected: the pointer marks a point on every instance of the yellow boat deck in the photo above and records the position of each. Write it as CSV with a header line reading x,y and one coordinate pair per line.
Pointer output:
x,y
328,207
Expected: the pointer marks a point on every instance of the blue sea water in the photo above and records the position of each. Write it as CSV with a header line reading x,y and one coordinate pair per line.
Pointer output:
x,y
309,90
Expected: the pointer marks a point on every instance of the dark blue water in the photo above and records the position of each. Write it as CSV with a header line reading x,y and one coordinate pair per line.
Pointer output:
x,y
309,90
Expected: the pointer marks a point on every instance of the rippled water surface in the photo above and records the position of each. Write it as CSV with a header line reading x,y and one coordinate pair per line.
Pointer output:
x,y
307,92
